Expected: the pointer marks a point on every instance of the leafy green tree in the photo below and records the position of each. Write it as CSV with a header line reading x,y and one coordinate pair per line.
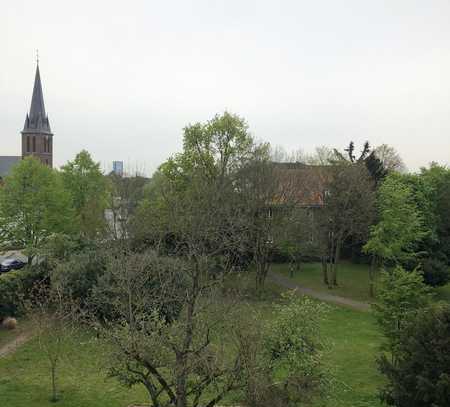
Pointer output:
x,y
213,150
33,206
421,375
400,226
438,180
193,201
88,189
401,294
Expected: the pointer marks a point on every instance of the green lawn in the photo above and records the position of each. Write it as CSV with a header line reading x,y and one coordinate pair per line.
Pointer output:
x,y
25,380
355,340
353,279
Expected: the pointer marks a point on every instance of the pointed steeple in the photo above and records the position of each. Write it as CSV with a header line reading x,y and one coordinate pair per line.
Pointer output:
x,y
37,119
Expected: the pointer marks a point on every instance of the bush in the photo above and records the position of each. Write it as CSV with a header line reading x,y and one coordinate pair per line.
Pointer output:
x,y
436,272
420,375
16,286
79,274
9,323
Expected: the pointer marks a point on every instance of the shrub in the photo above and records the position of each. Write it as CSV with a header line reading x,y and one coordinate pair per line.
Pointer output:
x,y
436,272
79,274
16,286
295,350
420,376
9,323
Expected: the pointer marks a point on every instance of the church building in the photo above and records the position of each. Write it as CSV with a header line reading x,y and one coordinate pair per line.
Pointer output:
x,y
37,137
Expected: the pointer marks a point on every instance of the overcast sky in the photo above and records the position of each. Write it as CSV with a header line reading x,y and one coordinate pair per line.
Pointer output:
x,y
122,78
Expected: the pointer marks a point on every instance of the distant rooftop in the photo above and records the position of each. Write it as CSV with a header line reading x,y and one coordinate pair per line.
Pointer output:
x,y
6,163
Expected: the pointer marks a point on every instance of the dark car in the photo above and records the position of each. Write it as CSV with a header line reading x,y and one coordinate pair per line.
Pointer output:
x,y
11,264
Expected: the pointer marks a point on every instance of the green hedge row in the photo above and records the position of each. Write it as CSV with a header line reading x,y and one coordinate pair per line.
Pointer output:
x,y
15,287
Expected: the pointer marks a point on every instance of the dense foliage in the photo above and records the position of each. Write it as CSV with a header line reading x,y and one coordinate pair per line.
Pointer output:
x,y
420,376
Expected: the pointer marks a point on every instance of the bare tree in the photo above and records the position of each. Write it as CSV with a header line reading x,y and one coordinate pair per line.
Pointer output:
x,y
391,159
54,321
348,212
169,330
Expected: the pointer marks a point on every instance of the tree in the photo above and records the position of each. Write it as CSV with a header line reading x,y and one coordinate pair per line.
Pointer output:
x,y
168,330
436,181
400,225
124,196
297,237
262,205
88,189
53,318
421,375
203,200
33,206
390,158
401,294
348,212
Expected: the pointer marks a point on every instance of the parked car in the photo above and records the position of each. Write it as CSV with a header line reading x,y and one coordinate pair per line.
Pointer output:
x,y
11,264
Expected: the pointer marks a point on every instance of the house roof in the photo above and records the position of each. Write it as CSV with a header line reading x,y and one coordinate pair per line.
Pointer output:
x,y
6,163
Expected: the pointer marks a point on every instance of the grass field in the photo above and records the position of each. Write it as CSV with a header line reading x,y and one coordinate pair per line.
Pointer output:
x,y
25,379
353,280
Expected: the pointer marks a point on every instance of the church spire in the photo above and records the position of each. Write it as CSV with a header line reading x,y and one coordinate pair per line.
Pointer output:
x,y
37,119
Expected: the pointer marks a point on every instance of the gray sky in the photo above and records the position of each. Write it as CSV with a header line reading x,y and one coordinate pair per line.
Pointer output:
x,y
122,78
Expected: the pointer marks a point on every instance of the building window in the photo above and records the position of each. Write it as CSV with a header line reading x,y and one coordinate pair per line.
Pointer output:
x,y
28,144
34,144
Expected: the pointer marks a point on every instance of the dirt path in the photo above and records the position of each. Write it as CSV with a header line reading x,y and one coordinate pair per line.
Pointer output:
x,y
287,283
11,346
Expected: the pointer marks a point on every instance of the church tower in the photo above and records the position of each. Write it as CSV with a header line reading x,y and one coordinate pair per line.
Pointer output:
x,y
37,137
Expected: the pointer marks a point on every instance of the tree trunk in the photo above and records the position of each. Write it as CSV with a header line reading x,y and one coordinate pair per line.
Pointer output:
x,y
336,261
331,261
181,383
54,395
371,277
325,270
291,269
